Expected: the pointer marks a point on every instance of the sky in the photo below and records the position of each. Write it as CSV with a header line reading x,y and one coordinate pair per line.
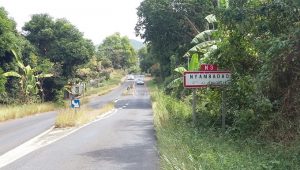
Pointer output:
x,y
97,19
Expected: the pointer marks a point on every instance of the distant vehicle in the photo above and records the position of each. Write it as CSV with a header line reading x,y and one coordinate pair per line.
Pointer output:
x,y
130,77
140,82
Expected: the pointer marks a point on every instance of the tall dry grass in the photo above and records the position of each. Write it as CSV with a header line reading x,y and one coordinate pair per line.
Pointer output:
x,y
19,111
69,118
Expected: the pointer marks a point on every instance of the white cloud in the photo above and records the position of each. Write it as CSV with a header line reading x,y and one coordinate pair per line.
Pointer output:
x,y
97,19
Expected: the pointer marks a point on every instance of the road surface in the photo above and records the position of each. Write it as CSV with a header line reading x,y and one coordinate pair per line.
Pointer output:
x,y
125,139
15,132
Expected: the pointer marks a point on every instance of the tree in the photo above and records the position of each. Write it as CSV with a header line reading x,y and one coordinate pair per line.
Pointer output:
x,y
2,82
118,50
11,39
63,44
59,41
146,60
168,26
29,79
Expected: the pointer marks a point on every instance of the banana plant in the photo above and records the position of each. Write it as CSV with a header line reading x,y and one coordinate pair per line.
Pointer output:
x,y
204,45
29,80
192,66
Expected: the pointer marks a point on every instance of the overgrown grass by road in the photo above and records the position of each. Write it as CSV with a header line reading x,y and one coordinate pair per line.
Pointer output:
x,y
68,118
108,85
183,146
19,111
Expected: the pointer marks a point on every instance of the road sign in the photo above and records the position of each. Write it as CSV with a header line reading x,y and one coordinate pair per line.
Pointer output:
x,y
198,79
75,103
208,67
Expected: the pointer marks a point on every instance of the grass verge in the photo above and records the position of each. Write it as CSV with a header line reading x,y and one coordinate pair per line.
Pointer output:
x,y
108,85
19,111
183,146
68,118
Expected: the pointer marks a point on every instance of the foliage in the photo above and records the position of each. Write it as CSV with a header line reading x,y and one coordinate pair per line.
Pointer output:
x,y
60,41
10,39
168,26
146,60
183,146
62,44
118,50
113,80
258,41
2,82
29,78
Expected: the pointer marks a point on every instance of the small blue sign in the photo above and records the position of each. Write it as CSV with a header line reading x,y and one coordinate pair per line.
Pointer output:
x,y
75,103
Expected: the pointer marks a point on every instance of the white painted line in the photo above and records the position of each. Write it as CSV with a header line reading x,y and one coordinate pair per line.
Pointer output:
x,y
50,136
116,100
21,150
126,104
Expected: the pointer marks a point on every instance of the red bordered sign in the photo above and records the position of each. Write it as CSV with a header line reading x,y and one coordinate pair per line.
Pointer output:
x,y
198,79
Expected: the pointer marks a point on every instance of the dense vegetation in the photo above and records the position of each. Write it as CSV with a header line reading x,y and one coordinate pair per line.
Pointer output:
x,y
259,42
41,62
184,146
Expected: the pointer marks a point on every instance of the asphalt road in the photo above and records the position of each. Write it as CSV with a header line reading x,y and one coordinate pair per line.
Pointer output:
x,y
15,132
125,139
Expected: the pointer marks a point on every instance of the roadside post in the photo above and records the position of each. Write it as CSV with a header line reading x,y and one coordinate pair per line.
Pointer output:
x,y
75,103
223,110
194,106
208,76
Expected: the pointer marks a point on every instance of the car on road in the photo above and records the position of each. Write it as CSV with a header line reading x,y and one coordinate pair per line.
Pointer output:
x,y
140,82
130,77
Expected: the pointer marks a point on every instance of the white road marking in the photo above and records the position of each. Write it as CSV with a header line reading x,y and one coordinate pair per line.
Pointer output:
x,y
116,100
50,136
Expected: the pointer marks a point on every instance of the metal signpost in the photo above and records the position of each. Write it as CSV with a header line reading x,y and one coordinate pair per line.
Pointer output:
x,y
209,76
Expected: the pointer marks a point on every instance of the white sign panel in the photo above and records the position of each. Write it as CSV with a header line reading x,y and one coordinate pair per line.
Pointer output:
x,y
199,79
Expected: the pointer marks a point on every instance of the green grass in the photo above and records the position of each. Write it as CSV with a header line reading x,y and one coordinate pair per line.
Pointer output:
x,y
68,118
183,146
19,111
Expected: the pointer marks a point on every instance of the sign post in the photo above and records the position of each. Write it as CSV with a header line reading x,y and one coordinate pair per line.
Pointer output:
x,y
194,106
209,76
75,103
223,111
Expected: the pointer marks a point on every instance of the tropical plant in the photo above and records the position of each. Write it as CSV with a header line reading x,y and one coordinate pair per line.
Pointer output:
x,y
203,45
2,82
30,80
168,26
